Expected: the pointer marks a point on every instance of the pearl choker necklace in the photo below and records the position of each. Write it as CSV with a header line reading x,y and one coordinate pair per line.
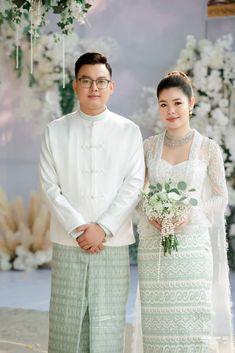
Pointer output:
x,y
176,142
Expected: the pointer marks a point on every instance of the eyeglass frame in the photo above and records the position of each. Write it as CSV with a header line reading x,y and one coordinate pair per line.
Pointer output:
x,y
91,81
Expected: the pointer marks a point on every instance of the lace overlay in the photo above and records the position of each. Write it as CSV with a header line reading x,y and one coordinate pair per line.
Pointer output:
x,y
177,311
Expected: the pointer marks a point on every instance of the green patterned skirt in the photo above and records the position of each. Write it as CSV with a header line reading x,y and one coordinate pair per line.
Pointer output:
x,y
88,299
175,293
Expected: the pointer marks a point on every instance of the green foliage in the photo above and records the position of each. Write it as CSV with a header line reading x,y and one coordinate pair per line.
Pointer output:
x,y
19,3
32,80
182,185
193,202
176,191
20,8
67,98
20,59
170,243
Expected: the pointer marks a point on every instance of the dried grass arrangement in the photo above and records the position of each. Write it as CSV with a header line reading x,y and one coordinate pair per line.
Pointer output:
x,y
24,233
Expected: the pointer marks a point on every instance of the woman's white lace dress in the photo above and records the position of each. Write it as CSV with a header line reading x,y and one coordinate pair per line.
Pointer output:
x,y
181,311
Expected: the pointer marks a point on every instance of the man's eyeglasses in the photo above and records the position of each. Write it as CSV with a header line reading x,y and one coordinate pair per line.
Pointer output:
x,y
86,82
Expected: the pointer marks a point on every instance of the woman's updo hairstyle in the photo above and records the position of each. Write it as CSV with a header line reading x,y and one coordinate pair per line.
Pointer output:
x,y
176,79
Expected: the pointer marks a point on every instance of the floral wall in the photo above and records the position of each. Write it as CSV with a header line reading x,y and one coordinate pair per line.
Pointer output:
x,y
142,39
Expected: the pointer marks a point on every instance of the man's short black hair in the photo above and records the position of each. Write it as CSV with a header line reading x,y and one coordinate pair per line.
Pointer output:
x,y
91,59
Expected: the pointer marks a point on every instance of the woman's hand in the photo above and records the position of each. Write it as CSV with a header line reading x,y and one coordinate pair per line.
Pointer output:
x,y
182,222
157,223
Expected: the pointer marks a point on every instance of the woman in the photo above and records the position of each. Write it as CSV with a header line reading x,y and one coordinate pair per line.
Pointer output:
x,y
185,296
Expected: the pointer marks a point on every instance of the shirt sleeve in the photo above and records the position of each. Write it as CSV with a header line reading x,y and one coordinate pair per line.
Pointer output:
x,y
59,205
108,233
74,234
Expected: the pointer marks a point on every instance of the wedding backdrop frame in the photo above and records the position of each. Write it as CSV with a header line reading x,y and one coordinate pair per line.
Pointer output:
x,y
220,8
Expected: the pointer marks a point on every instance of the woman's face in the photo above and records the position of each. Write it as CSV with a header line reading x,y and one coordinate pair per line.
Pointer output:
x,y
174,108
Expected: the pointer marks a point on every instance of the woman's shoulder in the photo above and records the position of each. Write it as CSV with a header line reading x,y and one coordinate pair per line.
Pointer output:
x,y
152,140
209,142
209,147
151,146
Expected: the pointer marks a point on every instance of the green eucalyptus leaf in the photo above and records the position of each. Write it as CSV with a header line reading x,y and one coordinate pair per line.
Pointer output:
x,y
193,202
87,6
182,198
182,185
167,186
151,193
176,191
159,186
191,190
152,187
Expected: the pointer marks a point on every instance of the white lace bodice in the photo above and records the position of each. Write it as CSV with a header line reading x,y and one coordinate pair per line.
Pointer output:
x,y
204,171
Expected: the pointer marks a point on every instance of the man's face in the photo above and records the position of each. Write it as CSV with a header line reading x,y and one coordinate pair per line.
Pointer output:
x,y
93,100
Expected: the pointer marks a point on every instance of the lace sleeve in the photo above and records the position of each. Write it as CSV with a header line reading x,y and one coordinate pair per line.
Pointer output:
x,y
216,175
149,154
149,149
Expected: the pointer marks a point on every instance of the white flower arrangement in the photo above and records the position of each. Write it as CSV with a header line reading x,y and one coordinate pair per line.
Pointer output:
x,y
211,68
24,238
168,203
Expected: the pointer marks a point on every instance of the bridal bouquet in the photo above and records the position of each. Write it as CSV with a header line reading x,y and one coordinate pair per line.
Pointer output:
x,y
168,203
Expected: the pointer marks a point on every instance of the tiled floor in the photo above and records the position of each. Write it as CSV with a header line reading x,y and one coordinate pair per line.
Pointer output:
x,y
31,290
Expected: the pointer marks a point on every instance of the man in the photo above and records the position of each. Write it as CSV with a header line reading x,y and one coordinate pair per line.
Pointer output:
x,y
92,171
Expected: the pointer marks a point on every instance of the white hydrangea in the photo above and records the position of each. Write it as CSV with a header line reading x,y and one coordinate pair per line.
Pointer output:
x,y
25,260
187,59
190,42
230,141
231,193
202,43
43,257
224,103
213,76
5,263
77,12
225,42
214,81
219,118
202,109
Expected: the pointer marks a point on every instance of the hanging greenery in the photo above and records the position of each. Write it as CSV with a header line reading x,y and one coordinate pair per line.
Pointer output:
x,y
49,95
14,11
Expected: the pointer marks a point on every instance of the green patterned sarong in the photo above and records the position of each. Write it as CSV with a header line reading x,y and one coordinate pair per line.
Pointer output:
x,y
88,299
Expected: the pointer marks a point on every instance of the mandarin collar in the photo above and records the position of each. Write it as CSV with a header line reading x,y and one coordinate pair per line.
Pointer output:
x,y
94,118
